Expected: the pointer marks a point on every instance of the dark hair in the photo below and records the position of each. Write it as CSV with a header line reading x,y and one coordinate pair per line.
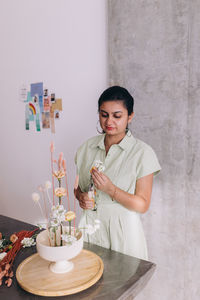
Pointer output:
x,y
117,93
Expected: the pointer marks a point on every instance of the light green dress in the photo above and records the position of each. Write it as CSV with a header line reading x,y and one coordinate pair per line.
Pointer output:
x,y
120,229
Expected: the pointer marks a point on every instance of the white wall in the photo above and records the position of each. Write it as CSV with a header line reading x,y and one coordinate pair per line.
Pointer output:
x,y
63,44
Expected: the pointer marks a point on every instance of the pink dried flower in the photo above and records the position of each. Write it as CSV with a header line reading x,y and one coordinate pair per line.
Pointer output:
x,y
52,147
60,191
60,160
64,164
8,282
13,238
11,274
59,174
7,267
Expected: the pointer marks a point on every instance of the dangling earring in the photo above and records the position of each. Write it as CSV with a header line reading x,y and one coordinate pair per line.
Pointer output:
x,y
99,130
128,132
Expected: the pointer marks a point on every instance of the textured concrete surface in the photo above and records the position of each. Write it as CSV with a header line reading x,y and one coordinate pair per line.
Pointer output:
x,y
154,50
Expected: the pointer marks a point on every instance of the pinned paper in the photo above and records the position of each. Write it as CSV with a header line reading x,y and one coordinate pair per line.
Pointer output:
x,y
27,117
45,92
36,99
46,120
52,120
37,89
53,98
46,103
41,103
57,114
57,105
29,97
38,122
31,118
23,93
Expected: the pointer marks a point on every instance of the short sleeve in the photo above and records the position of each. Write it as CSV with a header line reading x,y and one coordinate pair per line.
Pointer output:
x,y
76,163
75,159
147,163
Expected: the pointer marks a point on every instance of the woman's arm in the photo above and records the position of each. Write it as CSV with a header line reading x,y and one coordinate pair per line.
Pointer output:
x,y
139,202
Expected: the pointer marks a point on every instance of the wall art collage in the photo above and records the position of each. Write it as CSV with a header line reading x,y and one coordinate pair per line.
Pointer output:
x,y
41,107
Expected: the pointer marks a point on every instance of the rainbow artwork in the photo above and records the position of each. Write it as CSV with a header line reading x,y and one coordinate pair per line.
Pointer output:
x,y
32,109
41,107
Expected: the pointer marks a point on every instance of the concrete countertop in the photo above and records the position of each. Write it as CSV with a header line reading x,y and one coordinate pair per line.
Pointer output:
x,y
123,277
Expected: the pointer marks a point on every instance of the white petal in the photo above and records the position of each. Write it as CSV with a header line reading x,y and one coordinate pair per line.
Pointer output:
x,y
35,197
48,184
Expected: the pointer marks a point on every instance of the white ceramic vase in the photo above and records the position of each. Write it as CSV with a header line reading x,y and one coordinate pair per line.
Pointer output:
x,y
59,255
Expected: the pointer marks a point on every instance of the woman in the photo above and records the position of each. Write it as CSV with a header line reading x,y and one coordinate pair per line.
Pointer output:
x,y
124,188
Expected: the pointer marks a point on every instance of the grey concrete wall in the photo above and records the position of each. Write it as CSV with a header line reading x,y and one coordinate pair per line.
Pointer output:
x,y
154,50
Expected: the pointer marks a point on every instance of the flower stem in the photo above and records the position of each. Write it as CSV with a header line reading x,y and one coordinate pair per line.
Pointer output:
x,y
70,227
59,184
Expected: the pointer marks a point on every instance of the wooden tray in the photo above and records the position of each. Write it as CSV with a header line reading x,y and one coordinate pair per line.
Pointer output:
x,y
34,275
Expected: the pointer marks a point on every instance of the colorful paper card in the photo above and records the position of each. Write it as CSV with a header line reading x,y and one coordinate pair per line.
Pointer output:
x,y
41,104
47,103
36,89
57,105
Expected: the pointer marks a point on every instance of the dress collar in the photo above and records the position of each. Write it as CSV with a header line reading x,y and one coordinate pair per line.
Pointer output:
x,y
127,141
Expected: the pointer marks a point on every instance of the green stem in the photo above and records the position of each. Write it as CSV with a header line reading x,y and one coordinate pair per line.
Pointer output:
x,y
70,227
59,184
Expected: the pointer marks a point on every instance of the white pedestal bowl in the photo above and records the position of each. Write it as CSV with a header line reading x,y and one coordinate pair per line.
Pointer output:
x,y
59,255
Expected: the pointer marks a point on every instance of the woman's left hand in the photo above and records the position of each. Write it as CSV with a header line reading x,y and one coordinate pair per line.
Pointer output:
x,y
102,182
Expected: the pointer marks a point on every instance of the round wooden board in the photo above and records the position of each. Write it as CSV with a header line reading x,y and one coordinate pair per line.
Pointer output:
x,y
34,275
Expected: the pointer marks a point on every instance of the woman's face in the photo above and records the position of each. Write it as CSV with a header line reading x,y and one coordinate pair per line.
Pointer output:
x,y
113,117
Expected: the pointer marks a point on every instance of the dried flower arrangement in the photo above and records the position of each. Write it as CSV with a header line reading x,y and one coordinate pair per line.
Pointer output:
x,y
59,221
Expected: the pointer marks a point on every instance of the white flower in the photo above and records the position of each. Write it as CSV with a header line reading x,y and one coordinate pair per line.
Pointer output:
x,y
68,238
57,214
99,165
97,221
1,243
60,208
48,184
60,192
89,229
35,197
54,223
97,226
70,215
28,242
2,255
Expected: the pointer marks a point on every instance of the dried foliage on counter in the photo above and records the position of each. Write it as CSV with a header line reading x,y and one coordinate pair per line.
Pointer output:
x,y
8,251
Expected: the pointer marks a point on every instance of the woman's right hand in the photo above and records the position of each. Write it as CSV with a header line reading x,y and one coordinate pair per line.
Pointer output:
x,y
84,201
